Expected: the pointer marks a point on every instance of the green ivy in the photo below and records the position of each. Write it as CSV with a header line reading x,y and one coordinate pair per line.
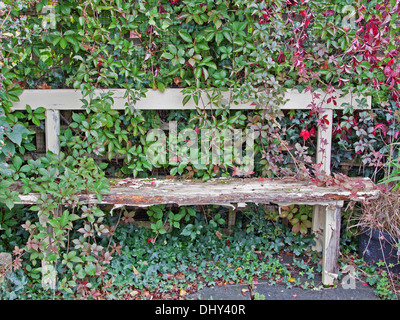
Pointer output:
x,y
255,49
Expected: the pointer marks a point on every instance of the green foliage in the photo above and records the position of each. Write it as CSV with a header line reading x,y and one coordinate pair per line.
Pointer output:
x,y
257,50
172,261
217,45
393,165
382,281
298,216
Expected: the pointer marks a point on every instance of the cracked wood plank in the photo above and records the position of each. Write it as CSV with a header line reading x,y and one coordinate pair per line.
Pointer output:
x,y
147,192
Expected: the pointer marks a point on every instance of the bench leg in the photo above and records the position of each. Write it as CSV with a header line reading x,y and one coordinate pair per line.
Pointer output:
x,y
318,224
49,274
330,253
52,130
231,220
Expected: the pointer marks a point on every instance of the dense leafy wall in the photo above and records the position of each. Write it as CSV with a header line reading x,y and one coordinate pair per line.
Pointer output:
x,y
257,49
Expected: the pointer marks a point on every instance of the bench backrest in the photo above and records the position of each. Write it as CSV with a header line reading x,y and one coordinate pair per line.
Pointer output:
x,y
55,100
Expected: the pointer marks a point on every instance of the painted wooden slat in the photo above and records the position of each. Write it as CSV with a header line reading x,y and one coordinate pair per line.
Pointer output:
x,y
323,157
52,131
324,142
170,99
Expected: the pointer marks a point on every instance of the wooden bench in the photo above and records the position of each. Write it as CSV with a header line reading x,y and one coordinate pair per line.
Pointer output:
x,y
327,200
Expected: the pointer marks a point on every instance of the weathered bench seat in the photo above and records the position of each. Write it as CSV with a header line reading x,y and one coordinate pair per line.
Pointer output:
x,y
147,192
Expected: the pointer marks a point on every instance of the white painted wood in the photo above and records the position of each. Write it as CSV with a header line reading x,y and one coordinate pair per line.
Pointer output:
x,y
318,224
52,131
224,191
170,99
323,157
330,252
324,142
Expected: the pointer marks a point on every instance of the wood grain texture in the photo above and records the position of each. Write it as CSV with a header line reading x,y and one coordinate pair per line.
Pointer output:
x,y
146,192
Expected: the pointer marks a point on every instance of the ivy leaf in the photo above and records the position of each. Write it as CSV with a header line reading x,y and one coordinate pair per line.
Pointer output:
x,y
159,224
90,269
64,219
8,149
185,100
205,72
73,217
51,256
167,55
26,168
9,203
17,162
63,43
185,36
211,65
19,131
197,72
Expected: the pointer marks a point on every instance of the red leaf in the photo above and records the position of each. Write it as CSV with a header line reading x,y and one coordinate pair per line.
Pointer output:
x,y
323,120
161,10
236,171
305,134
328,12
281,58
382,127
99,61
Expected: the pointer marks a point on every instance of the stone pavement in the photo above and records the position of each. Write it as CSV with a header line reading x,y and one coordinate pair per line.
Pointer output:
x,y
360,291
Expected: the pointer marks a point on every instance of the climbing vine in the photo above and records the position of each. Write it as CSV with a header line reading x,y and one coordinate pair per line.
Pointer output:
x,y
257,50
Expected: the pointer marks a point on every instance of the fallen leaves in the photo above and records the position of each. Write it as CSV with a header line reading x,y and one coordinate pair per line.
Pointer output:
x,y
134,293
244,291
180,276
177,81
135,271
182,292
175,292
43,85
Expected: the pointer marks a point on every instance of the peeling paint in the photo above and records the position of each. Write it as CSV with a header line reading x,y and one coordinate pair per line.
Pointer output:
x,y
137,192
